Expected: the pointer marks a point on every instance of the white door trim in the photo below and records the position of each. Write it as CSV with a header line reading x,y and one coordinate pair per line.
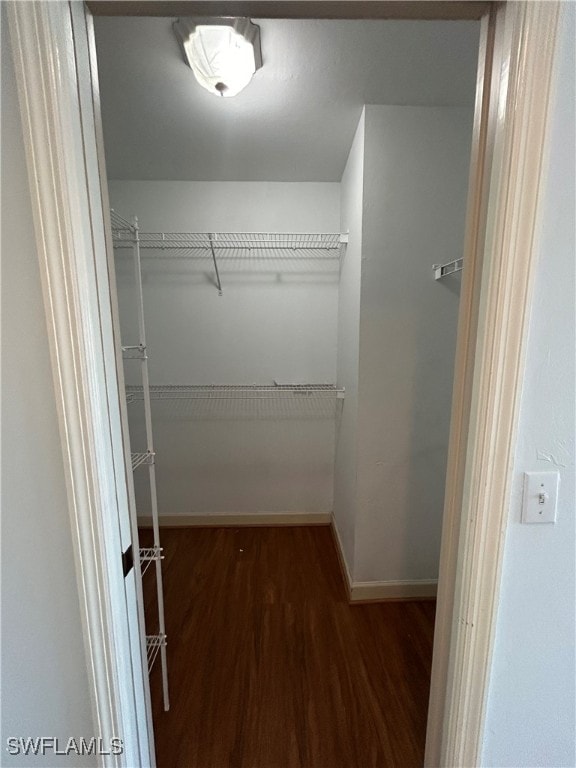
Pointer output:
x,y
496,296
496,299
64,182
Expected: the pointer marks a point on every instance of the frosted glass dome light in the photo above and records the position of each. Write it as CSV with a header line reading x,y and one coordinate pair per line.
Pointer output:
x,y
224,54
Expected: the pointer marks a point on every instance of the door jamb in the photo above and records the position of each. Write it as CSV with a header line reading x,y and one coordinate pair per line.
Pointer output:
x,y
59,140
519,43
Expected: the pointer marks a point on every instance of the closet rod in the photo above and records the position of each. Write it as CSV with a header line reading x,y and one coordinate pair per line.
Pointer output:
x,y
441,270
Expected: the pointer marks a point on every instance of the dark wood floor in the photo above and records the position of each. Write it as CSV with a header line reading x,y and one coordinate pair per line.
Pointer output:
x,y
271,668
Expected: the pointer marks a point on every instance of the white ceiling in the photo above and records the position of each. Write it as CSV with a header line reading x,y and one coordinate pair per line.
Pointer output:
x,y
296,119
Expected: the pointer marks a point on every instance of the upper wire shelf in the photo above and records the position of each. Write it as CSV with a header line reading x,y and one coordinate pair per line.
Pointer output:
x,y
235,391
326,247
201,244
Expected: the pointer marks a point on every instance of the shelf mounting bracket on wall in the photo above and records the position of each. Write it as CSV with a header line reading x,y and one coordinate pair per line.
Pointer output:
x,y
441,270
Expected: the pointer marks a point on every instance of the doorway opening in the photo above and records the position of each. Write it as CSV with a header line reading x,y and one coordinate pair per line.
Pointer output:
x,y
297,274
61,119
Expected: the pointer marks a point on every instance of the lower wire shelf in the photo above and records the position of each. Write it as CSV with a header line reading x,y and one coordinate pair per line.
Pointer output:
x,y
149,555
153,645
142,458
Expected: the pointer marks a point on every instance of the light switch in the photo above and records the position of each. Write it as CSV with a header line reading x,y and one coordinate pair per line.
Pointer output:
x,y
540,497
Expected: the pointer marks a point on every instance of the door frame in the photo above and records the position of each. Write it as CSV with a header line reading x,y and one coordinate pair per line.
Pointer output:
x,y
516,64
53,61
509,148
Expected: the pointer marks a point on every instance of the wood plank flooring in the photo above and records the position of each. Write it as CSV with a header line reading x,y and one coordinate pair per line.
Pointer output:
x,y
271,668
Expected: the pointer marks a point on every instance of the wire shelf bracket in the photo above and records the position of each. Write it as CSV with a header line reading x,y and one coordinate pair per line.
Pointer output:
x,y
442,270
213,252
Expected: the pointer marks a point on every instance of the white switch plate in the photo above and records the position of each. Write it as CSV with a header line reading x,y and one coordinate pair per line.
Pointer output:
x,y
540,497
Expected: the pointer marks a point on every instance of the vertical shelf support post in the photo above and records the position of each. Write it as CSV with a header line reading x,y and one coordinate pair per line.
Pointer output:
x,y
151,464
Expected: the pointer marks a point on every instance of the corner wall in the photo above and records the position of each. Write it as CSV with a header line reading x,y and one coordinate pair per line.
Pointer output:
x,y
44,680
404,195
345,471
415,192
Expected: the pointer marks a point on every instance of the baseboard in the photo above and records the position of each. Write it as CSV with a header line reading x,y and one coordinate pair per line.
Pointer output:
x,y
346,577
239,520
381,591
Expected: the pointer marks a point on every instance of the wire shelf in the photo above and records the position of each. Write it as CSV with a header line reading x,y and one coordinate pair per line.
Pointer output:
x,y
142,458
235,391
233,250
202,244
121,228
149,555
134,352
153,645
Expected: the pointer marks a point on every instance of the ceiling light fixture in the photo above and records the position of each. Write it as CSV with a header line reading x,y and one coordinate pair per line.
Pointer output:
x,y
223,53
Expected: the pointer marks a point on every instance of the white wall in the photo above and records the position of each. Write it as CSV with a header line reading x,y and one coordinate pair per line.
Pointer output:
x,y
404,199
44,681
345,471
275,321
531,709
415,189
